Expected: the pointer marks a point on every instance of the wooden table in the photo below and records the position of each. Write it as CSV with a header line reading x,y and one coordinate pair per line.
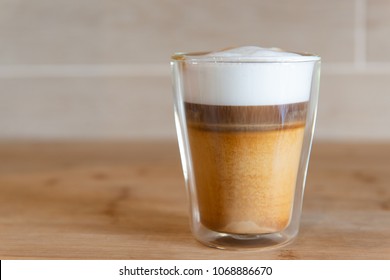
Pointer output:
x,y
127,201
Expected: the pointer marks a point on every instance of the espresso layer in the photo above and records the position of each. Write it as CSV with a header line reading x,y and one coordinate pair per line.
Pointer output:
x,y
216,117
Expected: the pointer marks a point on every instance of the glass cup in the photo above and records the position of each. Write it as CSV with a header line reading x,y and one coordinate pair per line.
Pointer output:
x,y
245,128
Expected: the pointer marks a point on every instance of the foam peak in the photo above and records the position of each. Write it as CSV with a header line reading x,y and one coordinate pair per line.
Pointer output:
x,y
252,51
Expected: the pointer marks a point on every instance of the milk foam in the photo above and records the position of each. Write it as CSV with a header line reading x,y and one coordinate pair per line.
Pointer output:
x,y
248,76
252,51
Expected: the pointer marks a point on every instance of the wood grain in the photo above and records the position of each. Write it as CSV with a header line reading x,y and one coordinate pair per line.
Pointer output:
x,y
127,201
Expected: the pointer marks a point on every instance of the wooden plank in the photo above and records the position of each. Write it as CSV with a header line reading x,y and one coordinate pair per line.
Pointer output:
x,y
127,201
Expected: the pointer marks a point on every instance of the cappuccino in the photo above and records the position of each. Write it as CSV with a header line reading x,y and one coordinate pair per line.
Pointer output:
x,y
244,120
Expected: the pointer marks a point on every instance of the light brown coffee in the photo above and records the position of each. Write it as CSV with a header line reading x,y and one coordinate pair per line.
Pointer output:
x,y
245,161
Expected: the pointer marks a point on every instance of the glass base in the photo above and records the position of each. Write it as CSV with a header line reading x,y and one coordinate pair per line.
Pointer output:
x,y
230,241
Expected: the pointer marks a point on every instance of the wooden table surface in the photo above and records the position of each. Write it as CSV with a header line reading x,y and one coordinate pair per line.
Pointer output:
x,y
127,201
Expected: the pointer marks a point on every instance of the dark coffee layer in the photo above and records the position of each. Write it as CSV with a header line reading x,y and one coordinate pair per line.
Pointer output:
x,y
245,117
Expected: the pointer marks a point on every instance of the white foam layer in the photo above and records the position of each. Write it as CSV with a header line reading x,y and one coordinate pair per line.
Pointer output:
x,y
227,81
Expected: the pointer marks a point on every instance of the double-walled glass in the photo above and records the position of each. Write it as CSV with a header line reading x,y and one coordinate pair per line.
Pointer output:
x,y
245,129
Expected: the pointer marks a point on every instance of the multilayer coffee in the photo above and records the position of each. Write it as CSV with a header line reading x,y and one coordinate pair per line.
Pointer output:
x,y
246,123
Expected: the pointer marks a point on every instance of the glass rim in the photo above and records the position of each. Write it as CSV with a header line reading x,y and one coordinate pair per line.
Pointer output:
x,y
195,57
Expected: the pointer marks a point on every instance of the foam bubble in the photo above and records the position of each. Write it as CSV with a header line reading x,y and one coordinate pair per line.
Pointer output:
x,y
248,76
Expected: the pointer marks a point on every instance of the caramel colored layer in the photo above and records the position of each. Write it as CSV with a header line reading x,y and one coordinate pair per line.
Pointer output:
x,y
245,179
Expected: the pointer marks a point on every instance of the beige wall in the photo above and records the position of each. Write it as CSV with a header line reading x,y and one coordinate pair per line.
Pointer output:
x,y
100,68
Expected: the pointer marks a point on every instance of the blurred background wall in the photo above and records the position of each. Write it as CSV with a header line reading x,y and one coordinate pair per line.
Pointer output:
x,y
99,69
